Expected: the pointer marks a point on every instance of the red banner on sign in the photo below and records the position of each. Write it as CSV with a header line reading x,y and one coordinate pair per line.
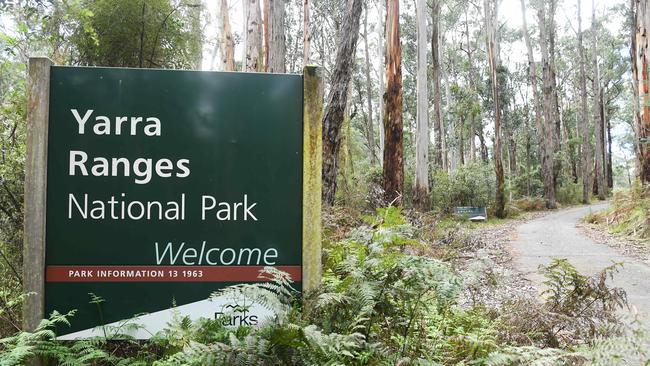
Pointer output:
x,y
163,273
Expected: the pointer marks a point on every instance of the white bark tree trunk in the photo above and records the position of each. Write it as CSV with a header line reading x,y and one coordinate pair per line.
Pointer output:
x,y
598,123
422,107
276,47
371,122
226,42
306,31
492,45
252,36
439,157
548,167
585,154
382,57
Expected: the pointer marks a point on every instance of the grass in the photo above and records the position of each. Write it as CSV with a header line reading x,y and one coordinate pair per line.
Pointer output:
x,y
628,214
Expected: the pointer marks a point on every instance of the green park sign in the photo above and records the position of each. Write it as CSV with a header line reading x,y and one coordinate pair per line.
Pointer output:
x,y
162,186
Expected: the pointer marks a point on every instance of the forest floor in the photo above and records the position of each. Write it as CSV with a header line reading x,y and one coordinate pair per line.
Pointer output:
x,y
560,235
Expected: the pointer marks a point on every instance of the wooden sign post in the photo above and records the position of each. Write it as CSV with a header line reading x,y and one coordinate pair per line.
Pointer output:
x,y
38,100
312,176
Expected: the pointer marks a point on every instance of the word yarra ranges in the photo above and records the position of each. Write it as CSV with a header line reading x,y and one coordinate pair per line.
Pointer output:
x,y
143,169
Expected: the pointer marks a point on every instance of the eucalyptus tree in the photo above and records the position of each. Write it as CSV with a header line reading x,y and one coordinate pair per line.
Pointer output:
x,y
370,135
421,198
306,33
549,106
438,157
274,31
252,36
381,50
584,116
393,168
541,118
615,66
226,41
492,46
597,108
640,46
337,98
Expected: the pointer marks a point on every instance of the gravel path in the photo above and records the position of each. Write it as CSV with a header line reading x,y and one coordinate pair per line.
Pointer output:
x,y
556,235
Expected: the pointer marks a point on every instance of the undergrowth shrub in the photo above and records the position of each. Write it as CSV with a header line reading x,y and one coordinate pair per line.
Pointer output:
x,y
472,184
527,204
628,214
569,193
527,182
630,347
404,303
576,309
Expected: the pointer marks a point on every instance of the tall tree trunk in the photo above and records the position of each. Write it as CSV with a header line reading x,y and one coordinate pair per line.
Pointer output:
x,y
381,33
552,31
491,7
545,144
597,108
549,110
226,42
555,105
641,47
266,9
483,145
512,150
345,156
253,36
610,171
393,123
472,139
585,154
421,198
306,34
568,136
472,128
197,34
337,98
371,123
435,68
447,119
276,46
528,154
636,76
461,140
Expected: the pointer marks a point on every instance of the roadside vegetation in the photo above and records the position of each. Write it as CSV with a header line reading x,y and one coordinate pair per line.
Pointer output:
x,y
386,298
627,215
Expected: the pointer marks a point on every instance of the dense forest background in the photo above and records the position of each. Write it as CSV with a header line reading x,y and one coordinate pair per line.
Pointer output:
x,y
429,104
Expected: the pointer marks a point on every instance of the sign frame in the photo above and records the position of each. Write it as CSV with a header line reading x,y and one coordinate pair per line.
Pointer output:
x,y
34,266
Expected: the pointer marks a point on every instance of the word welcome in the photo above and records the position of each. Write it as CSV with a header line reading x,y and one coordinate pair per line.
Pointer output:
x,y
174,253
